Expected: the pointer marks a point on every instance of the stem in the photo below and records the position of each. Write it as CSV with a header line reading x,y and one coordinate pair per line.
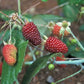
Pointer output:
x,y
69,76
5,24
29,63
31,7
77,41
3,34
10,31
32,52
73,58
79,17
17,82
42,48
62,35
56,7
19,8
70,62
4,14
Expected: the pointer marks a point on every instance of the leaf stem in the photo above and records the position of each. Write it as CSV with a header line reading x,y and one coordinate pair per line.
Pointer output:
x,y
77,41
31,7
32,52
10,31
56,7
19,7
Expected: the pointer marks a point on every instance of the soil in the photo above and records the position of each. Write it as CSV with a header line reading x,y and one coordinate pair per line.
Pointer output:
x,y
58,73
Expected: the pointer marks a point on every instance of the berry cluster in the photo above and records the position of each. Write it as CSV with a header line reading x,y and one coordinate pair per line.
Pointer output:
x,y
31,33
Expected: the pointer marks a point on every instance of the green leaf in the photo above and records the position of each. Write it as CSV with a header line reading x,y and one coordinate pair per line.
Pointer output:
x,y
79,54
35,68
10,73
62,1
17,35
41,25
44,0
6,36
81,28
70,49
40,20
48,18
7,12
70,12
77,2
27,17
71,2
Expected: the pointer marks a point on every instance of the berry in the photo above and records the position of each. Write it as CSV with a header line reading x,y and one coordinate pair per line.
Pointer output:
x,y
9,52
1,64
56,31
73,41
31,33
55,45
51,66
61,59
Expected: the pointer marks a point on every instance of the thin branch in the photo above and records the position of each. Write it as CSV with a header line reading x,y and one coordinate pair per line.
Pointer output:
x,y
2,22
19,7
4,34
69,76
4,14
56,7
73,58
70,62
6,23
31,7
78,42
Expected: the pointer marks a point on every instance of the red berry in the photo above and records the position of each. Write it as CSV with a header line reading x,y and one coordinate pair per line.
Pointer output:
x,y
56,31
1,68
55,45
61,59
31,33
9,52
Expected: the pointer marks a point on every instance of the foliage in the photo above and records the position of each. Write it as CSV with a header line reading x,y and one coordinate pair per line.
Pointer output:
x,y
81,28
8,12
73,49
70,12
10,73
35,68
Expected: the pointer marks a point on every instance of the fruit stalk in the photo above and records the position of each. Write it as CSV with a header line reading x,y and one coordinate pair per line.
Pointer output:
x,y
77,41
32,51
19,7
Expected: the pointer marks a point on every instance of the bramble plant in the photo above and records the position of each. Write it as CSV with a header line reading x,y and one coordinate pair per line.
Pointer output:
x,y
40,33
